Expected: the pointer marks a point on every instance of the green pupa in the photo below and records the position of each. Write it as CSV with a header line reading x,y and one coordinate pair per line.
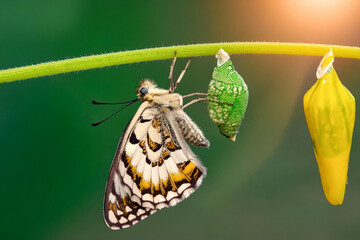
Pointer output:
x,y
228,96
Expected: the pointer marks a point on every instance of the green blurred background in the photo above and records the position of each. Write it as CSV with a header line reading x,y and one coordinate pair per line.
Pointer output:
x,y
266,185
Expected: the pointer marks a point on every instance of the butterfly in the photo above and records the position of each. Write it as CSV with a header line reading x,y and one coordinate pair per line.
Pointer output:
x,y
154,167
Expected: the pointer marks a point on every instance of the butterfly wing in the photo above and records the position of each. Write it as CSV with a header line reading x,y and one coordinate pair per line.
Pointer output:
x,y
153,168
119,210
175,170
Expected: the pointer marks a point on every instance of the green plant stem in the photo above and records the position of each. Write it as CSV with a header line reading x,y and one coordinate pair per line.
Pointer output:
x,y
151,54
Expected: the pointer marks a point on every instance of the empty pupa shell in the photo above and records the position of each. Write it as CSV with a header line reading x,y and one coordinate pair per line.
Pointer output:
x,y
227,96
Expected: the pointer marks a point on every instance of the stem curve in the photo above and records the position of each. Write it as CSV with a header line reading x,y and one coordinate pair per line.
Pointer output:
x,y
161,53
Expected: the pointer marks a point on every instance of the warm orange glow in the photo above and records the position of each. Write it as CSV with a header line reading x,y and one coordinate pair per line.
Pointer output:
x,y
326,21
321,10
317,5
323,17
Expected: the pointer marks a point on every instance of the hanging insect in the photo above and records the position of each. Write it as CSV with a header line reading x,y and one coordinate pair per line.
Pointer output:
x,y
153,166
228,96
330,115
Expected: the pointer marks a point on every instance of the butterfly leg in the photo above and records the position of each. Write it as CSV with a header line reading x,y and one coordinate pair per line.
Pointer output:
x,y
194,101
181,74
192,94
201,94
204,99
171,88
217,101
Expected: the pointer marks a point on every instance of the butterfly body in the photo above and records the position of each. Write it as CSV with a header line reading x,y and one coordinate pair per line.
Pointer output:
x,y
153,166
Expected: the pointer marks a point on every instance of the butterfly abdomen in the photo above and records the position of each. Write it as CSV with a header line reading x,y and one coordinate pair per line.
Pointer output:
x,y
191,131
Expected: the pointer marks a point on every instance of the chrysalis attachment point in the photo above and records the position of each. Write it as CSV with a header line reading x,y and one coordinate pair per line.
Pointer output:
x,y
330,115
227,96
325,65
222,57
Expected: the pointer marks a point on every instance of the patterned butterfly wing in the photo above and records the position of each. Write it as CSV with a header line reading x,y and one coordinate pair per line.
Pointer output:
x,y
153,168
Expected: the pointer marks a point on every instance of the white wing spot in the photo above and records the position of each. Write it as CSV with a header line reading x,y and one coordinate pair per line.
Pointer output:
x,y
187,192
147,205
174,201
163,174
112,198
135,221
123,220
159,198
183,187
147,197
122,168
136,199
141,129
138,156
127,179
140,212
171,166
171,195
131,217
161,205
147,172
112,217
155,175
136,190
154,135
130,149
141,165
117,184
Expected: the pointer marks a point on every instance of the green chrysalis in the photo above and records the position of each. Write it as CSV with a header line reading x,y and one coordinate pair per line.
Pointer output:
x,y
228,96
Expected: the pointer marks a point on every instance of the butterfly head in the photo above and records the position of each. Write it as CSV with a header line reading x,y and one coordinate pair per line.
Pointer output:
x,y
147,90
144,89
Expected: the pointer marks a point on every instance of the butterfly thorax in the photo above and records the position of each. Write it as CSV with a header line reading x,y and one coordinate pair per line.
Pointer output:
x,y
162,98
168,101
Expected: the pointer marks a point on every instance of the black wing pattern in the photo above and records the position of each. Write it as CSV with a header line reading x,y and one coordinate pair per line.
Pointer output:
x,y
153,167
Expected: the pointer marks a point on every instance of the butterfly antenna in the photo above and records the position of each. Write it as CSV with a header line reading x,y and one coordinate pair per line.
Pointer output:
x,y
102,103
130,102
